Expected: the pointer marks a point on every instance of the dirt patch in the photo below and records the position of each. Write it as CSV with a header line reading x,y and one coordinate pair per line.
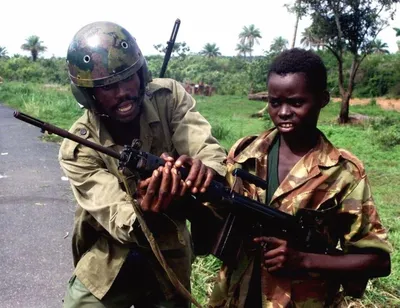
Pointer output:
x,y
385,103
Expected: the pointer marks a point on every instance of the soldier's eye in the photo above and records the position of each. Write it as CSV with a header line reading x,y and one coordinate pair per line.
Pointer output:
x,y
106,87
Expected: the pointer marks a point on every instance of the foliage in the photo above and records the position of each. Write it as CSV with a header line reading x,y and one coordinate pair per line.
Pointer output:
x,y
34,45
53,70
278,45
179,49
249,36
3,52
210,50
378,75
243,49
377,46
352,26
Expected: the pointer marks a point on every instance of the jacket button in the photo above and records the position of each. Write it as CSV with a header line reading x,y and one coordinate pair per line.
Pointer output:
x,y
83,131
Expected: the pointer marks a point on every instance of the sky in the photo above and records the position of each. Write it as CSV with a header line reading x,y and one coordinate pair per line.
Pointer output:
x,y
151,22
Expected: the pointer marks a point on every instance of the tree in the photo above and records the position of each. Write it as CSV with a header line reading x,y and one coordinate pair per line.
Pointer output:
x,y
180,49
243,49
309,40
210,50
3,52
278,45
397,31
249,36
379,47
34,46
300,11
349,26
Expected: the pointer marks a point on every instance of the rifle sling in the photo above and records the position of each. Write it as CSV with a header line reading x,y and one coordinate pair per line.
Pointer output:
x,y
273,174
254,293
156,249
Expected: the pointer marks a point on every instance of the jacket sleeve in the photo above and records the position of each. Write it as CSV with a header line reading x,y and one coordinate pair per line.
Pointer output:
x,y
192,132
98,191
366,230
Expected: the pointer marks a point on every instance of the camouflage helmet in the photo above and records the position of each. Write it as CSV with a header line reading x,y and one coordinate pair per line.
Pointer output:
x,y
100,54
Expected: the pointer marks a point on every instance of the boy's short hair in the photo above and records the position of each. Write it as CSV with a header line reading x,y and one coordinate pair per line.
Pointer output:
x,y
298,60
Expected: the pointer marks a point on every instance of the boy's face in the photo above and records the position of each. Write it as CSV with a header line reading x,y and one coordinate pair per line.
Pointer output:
x,y
293,108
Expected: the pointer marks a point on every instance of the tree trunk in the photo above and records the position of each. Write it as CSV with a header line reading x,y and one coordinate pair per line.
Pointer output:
x,y
260,113
296,25
344,108
346,94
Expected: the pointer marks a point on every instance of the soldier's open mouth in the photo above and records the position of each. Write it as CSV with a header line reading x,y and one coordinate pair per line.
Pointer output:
x,y
125,107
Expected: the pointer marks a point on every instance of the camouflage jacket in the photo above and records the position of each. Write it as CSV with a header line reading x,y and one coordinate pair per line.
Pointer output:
x,y
105,223
327,181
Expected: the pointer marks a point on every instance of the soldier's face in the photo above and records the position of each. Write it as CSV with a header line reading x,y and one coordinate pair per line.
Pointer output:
x,y
292,107
121,100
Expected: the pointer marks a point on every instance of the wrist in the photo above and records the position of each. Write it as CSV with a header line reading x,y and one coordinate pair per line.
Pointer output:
x,y
305,261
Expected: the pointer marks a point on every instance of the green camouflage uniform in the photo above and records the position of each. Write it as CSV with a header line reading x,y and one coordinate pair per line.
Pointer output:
x,y
105,223
328,180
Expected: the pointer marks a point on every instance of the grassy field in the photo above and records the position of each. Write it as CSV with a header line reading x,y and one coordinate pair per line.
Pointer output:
x,y
376,142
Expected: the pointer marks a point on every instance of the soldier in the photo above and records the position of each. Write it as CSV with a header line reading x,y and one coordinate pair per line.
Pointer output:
x,y
305,174
114,265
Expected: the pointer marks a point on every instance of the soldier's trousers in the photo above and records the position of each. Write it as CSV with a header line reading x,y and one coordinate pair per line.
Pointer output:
x,y
135,286
78,296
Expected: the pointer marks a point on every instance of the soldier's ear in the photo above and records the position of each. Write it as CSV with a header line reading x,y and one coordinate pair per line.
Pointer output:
x,y
84,99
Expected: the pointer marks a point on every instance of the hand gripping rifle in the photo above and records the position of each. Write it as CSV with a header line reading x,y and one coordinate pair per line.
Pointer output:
x,y
246,217
170,46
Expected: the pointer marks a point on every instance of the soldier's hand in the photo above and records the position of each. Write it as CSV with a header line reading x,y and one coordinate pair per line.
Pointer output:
x,y
199,176
155,193
278,255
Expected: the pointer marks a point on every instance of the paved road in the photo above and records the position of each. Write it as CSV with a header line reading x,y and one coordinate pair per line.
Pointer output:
x,y
36,215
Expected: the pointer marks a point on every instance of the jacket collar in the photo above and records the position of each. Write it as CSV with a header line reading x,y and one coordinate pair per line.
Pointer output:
x,y
324,154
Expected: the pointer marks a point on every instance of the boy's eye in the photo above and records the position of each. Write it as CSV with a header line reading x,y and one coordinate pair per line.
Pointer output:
x,y
296,102
273,101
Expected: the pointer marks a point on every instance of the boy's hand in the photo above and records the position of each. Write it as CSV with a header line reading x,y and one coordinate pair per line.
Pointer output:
x,y
278,255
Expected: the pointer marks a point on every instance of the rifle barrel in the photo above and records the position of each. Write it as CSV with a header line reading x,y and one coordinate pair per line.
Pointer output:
x,y
170,46
51,129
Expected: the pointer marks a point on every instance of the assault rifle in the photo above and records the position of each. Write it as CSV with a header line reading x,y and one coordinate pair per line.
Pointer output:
x,y
246,217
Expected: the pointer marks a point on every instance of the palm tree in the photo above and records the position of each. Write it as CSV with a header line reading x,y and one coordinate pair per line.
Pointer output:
x,y
278,45
3,52
309,39
249,36
243,49
34,46
397,31
379,47
210,50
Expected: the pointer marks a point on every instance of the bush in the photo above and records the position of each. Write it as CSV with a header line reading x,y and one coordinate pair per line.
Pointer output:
x,y
389,137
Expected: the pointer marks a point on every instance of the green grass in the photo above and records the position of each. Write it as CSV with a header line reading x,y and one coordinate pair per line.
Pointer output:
x,y
375,142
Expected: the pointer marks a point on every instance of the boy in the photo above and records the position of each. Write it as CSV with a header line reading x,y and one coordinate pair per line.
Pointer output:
x,y
305,173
